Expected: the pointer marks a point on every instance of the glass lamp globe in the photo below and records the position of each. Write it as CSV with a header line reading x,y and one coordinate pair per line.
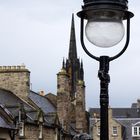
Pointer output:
x,y
104,32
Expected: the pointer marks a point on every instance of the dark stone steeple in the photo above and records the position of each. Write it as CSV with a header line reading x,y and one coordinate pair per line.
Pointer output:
x,y
72,45
71,89
73,66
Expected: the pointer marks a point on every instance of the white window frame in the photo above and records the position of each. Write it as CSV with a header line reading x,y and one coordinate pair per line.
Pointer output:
x,y
40,132
21,129
114,131
98,130
135,131
56,134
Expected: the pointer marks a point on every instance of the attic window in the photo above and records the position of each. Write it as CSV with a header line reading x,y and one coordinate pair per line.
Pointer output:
x,y
21,129
98,130
114,131
136,131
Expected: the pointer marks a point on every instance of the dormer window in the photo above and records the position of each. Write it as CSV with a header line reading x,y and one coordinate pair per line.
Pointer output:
x,y
98,130
56,134
21,121
136,130
114,131
21,129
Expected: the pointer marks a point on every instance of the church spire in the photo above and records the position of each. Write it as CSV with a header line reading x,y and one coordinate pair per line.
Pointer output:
x,y
72,45
73,67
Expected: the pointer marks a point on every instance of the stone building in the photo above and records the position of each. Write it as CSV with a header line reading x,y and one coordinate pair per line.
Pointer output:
x,y
124,123
25,114
115,128
71,106
33,120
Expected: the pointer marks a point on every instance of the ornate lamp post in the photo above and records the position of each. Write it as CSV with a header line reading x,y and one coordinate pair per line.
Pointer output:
x,y
105,28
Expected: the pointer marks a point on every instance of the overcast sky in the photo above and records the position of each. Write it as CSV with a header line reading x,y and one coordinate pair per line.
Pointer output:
x,y
36,33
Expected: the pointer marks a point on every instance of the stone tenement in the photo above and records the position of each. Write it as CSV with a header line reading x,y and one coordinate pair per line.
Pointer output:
x,y
15,79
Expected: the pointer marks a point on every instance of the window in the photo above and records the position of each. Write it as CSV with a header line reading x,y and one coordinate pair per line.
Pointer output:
x,y
40,132
98,130
21,129
56,134
136,131
114,131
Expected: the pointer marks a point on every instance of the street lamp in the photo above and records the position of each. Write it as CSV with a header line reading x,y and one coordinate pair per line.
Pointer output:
x,y
105,29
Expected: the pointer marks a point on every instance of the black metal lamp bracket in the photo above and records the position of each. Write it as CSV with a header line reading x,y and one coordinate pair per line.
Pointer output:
x,y
104,78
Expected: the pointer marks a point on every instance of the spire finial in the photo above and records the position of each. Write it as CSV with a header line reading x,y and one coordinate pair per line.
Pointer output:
x,y
81,71
63,64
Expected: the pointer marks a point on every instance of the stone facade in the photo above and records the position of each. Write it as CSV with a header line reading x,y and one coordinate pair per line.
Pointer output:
x,y
63,98
32,133
81,125
16,79
71,107
4,134
71,111
115,128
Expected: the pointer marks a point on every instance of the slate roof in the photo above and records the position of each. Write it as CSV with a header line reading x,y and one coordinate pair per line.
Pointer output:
x,y
126,112
127,123
42,102
5,118
51,118
52,98
4,124
120,112
11,104
125,116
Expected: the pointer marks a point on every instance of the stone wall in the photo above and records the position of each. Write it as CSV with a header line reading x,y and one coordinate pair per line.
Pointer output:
x,y
32,133
112,123
15,79
4,134
81,121
71,110
63,98
49,134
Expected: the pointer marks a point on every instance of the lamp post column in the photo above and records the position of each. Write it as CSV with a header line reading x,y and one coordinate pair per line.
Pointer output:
x,y
108,14
104,98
